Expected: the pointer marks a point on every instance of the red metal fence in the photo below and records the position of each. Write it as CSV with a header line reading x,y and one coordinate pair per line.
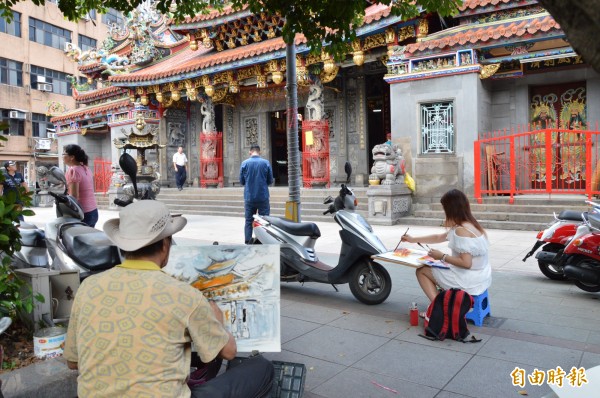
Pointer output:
x,y
102,175
549,161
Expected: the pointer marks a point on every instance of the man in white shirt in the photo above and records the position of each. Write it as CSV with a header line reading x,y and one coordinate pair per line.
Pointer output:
x,y
179,161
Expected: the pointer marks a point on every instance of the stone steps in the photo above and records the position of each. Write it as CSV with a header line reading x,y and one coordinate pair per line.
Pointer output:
x,y
528,212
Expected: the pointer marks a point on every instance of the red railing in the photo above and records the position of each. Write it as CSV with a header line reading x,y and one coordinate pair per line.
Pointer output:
x,y
102,175
549,161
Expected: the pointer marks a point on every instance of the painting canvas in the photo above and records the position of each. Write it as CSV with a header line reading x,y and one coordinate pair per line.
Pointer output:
x,y
244,282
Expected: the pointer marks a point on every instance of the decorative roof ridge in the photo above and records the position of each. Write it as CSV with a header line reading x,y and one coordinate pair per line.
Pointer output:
x,y
472,4
93,109
228,10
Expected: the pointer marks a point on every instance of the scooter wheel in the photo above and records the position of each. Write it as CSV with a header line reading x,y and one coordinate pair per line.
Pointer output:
x,y
587,287
370,287
551,271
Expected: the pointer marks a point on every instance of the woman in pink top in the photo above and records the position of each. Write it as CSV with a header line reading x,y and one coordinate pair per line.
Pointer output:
x,y
81,182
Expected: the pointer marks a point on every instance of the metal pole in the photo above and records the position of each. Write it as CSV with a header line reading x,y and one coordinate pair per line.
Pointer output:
x,y
293,204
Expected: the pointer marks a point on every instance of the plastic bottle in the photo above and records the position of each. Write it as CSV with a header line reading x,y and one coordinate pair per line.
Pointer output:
x,y
413,313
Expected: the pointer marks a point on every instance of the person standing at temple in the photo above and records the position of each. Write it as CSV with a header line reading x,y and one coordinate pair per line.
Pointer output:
x,y
80,182
12,181
179,164
255,175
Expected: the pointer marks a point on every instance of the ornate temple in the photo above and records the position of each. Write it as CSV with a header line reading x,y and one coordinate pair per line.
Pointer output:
x,y
215,84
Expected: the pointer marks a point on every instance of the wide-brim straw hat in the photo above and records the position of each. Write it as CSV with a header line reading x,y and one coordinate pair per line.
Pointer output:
x,y
142,223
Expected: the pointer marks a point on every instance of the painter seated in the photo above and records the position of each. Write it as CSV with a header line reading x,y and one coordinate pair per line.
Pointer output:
x,y
132,326
470,268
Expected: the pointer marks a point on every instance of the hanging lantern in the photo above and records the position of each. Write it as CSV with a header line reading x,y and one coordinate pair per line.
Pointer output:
x,y
159,96
234,87
328,66
132,98
144,99
175,95
209,90
358,58
277,77
193,45
90,81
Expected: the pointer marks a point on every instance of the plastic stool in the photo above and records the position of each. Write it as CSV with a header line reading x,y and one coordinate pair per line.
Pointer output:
x,y
481,309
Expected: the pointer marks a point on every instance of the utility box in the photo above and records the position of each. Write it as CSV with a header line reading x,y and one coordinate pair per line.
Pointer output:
x,y
39,280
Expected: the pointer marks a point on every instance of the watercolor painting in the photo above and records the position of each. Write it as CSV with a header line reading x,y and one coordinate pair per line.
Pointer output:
x,y
244,282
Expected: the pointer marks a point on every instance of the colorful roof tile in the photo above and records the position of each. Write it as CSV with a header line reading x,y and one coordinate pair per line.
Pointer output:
x,y
188,61
486,32
481,3
212,15
91,111
103,92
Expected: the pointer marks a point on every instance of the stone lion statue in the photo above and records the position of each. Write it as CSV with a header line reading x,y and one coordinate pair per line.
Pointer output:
x,y
388,164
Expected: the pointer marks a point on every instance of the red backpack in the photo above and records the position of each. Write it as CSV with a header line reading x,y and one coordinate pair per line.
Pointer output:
x,y
446,316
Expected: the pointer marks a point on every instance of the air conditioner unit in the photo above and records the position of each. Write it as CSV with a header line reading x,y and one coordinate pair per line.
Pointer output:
x,y
44,86
41,79
16,115
52,136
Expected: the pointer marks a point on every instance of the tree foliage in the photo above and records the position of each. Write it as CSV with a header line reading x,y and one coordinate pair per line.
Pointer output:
x,y
332,22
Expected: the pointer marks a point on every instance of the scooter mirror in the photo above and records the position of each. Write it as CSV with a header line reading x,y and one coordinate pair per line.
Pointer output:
x,y
129,166
4,324
327,200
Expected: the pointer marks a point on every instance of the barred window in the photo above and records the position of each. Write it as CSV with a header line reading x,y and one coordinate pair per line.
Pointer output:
x,y
13,27
60,84
113,16
41,124
47,34
437,128
15,126
86,43
11,72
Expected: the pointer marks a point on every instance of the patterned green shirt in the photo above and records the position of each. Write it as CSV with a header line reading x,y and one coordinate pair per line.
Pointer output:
x,y
131,330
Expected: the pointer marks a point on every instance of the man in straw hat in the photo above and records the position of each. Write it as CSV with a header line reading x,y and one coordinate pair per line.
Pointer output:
x,y
132,326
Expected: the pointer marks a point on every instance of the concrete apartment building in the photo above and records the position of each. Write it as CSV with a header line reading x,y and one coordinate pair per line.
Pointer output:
x,y
34,76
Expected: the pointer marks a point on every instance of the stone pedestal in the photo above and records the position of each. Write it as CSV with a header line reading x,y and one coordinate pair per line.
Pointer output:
x,y
114,193
387,203
44,199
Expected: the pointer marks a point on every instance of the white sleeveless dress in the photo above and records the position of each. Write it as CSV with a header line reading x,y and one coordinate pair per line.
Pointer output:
x,y
475,280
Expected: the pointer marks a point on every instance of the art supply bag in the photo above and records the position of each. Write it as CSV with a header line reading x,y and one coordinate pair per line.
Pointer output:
x,y
446,316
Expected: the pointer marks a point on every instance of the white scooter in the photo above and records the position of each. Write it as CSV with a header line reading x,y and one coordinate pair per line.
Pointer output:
x,y
369,281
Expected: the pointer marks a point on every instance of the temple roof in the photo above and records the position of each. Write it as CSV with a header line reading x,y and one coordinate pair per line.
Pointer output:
x,y
187,61
483,33
103,92
481,3
192,63
93,110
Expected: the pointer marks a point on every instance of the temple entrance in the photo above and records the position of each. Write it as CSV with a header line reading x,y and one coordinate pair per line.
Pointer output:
x,y
378,110
279,158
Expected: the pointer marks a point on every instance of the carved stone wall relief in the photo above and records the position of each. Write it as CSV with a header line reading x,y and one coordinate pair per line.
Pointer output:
x,y
251,135
229,123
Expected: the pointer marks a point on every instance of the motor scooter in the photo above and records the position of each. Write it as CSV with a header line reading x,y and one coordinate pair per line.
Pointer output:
x,y
369,281
33,251
582,257
554,239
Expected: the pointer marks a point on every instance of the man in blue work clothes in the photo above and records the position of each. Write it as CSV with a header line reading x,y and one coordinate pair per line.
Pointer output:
x,y
255,175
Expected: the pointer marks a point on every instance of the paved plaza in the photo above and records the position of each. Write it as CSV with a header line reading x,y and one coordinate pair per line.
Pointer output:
x,y
354,350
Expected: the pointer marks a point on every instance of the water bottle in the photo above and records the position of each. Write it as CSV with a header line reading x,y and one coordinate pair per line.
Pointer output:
x,y
413,313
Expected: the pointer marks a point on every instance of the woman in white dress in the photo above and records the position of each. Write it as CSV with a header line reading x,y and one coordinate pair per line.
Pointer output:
x,y
470,268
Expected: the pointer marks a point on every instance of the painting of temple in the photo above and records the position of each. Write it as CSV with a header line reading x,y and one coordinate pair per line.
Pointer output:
x,y
435,84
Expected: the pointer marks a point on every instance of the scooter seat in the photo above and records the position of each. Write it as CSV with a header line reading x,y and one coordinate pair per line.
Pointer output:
x,y
90,248
594,221
570,215
295,228
32,237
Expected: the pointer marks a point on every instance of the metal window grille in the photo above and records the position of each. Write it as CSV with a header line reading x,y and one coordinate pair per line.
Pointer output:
x,y
437,128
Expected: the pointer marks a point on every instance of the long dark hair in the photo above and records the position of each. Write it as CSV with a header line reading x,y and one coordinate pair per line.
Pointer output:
x,y
77,152
458,210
